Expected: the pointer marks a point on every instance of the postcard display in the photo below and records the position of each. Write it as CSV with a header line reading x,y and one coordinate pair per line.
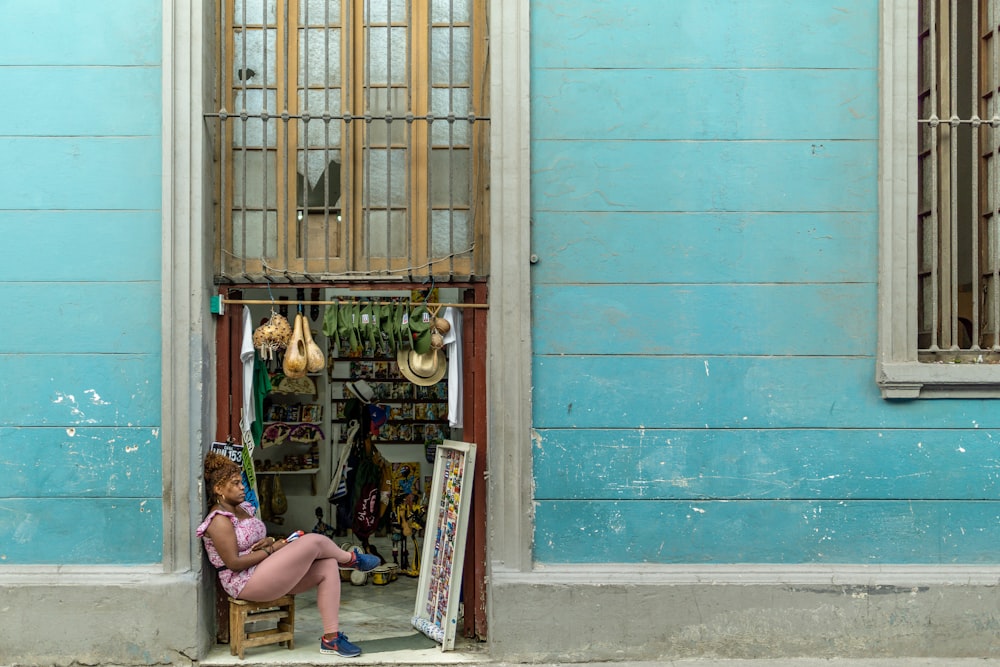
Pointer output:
x,y
438,591
416,414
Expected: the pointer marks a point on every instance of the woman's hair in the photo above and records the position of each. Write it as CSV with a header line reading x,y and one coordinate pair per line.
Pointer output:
x,y
218,468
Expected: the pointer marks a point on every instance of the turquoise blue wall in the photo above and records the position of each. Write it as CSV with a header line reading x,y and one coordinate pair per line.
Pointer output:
x,y
80,135
704,207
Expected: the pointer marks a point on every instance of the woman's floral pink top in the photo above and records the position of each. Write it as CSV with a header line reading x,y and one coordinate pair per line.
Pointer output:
x,y
248,532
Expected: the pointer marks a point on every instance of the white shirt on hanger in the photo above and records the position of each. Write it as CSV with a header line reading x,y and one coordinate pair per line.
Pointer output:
x,y
453,350
247,351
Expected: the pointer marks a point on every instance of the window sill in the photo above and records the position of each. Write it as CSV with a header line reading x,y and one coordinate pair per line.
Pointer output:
x,y
912,379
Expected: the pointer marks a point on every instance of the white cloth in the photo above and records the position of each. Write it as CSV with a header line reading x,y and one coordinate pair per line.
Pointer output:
x,y
453,350
247,352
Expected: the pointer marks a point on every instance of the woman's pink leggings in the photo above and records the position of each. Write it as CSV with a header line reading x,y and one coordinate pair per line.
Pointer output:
x,y
312,560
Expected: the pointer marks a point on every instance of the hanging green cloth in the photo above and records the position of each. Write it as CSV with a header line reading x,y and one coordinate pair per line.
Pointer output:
x,y
261,388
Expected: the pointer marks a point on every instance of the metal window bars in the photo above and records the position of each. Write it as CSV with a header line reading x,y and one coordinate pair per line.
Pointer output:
x,y
352,140
958,221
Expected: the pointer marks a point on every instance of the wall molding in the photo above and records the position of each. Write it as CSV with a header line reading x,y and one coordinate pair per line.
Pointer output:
x,y
752,574
509,321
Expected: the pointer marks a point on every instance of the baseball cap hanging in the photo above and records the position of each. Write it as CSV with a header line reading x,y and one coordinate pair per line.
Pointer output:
x,y
403,327
330,323
368,326
345,328
357,340
420,329
383,328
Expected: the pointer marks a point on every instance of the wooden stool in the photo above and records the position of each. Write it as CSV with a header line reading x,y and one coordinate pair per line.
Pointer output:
x,y
242,612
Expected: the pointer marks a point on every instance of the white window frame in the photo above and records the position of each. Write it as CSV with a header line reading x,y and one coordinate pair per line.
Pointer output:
x,y
899,374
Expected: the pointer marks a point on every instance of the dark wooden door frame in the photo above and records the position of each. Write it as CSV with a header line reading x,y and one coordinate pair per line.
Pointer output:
x,y
228,401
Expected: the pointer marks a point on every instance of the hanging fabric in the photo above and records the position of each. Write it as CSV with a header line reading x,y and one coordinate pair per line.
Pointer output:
x,y
338,483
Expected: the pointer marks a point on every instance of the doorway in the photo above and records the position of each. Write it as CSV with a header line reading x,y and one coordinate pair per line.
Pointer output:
x,y
307,426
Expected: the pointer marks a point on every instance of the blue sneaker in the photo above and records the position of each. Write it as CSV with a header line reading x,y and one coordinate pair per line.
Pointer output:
x,y
339,646
366,562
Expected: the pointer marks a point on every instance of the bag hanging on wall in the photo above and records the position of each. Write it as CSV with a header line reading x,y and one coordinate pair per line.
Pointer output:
x,y
338,483
366,512
279,503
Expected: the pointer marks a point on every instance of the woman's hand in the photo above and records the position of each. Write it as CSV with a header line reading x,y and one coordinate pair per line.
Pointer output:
x,y
262,544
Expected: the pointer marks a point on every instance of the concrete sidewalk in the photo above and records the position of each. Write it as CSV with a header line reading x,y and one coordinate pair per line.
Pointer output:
x,y
782,662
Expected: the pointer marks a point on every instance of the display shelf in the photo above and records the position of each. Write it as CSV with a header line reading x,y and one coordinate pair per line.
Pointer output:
x,y
393,400
295,423
376,441
341,420
305,471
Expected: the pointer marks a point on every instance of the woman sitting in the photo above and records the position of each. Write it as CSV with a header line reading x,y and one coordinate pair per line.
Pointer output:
x,y
255,567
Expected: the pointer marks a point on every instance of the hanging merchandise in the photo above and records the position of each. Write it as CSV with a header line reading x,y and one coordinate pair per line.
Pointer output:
x,y
306,434
368,483
264,491
294,364
315,359
322,527
275,434
249,416
331,328
314,308
366,512
420,329
383,313
424,364
289,385
422,369
451,328
357,342
279,502
347,333
361,391
439,327
402,327
338,483
272,336
368,327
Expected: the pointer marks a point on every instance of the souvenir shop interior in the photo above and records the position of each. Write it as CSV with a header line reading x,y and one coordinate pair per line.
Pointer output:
x,y
352,399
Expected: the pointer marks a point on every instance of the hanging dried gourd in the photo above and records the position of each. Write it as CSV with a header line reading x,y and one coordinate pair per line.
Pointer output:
x,y
315,359
442,325
272,336
440,328
294,363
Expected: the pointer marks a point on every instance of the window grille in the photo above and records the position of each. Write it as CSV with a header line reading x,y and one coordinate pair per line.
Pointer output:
x,y
958,200
352,140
